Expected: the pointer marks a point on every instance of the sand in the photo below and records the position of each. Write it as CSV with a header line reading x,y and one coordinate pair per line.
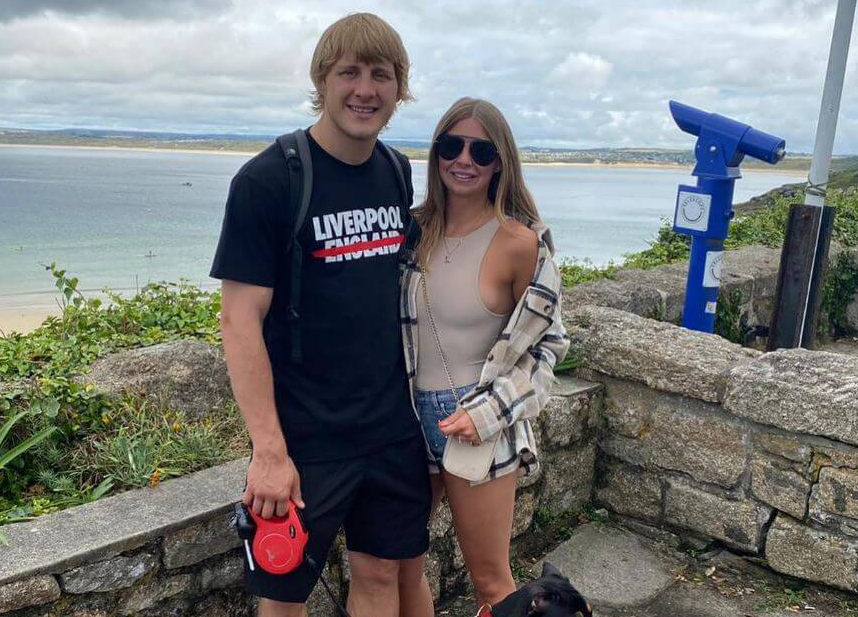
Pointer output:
x,y
24,319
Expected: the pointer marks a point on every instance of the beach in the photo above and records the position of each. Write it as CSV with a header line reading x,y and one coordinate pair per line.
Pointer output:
x,y
24,319
249,153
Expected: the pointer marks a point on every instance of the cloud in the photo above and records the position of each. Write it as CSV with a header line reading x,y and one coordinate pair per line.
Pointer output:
x,y
134,9
582,70
565,72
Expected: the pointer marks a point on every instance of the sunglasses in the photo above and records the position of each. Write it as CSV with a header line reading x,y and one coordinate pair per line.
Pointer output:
x,y
449,147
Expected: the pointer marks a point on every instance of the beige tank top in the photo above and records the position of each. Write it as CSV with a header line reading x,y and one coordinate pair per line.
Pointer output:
x,y
468,329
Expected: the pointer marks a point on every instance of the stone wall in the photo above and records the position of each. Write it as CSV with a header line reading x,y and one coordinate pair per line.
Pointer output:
x,y
170,550
712,441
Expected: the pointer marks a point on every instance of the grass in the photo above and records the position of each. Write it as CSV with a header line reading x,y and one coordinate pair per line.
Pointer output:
x,y
81,445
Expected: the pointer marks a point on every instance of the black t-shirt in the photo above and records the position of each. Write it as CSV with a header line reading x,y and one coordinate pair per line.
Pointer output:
x,y
349,395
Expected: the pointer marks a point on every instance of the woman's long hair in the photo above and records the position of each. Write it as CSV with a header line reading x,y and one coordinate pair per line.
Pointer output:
x,y
507,190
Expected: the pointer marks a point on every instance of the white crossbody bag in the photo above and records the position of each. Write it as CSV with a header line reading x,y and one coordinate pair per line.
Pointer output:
x,y
462,459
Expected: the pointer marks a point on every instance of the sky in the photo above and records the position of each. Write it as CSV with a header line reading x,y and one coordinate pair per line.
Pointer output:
x,y
566,73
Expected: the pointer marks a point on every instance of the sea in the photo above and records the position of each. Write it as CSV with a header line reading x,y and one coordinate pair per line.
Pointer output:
x,y
123,218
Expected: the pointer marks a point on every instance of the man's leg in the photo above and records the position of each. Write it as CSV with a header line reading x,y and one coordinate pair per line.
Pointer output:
x,y
415,594
331,488
271,608
374,587
387,529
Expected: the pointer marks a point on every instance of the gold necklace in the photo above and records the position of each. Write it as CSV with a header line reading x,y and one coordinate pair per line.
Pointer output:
x,y
448,254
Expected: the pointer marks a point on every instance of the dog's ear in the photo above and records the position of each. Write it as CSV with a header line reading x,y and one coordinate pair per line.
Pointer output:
x,y
550,570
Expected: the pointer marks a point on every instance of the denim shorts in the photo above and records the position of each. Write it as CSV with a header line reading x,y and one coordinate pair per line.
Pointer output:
x,y
432,407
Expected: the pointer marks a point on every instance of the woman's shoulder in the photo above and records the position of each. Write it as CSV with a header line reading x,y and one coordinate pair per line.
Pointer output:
x,y
519,238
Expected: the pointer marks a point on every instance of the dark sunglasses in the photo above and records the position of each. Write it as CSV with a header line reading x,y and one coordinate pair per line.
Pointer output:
x,y
449,147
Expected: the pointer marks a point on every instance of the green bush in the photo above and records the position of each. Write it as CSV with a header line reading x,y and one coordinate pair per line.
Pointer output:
x,y
71,444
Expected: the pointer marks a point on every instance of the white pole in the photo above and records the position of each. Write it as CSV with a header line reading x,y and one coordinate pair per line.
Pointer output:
x,y
826,126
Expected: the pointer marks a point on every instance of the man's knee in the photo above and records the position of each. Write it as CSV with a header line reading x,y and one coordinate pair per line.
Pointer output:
x,y
272,608
373,571
411,571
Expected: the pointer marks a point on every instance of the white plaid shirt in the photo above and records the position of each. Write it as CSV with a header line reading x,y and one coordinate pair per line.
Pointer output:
x,y
518,373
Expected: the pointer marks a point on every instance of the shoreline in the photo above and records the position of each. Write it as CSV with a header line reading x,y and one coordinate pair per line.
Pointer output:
x,y
661,166
24,319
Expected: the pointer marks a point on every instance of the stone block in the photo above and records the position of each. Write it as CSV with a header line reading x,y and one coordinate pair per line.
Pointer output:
x,y
759,263
821,556
661,355
116,573
657,430
624,296
783,445
201,541
442,520
525,506
569,478
834,500
220,605
223,572
630,491
432,568
151,592
811,392
668,280
28,592
737,523
118,524
563,419
190,375
780,484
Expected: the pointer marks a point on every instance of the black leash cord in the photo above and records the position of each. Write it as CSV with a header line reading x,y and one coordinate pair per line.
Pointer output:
x,y
318,571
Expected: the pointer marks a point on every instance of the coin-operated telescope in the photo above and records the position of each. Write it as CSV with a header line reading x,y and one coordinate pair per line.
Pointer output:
x,y
704,211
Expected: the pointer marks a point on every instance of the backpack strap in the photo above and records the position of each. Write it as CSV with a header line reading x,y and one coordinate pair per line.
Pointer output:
x,y
412,233
397,167
299,166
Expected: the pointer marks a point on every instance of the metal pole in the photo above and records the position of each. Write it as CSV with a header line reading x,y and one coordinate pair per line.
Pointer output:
x,y
827,124
826,127
805,250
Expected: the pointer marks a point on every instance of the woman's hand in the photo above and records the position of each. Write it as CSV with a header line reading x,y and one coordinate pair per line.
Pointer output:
x,y
459,426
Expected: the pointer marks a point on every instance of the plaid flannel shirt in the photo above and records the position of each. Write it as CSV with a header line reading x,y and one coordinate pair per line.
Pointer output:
x,y
518,373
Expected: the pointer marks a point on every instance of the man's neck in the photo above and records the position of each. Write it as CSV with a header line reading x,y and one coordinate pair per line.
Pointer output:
x,y
339,145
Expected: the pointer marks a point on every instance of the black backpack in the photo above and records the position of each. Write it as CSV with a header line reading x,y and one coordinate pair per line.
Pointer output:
x,y
299,166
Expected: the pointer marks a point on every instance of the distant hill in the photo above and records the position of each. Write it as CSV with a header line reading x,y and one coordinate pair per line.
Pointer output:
x,y
416,149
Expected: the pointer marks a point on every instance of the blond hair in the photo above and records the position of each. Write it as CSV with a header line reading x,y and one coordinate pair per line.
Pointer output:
x,y
507,190
370,39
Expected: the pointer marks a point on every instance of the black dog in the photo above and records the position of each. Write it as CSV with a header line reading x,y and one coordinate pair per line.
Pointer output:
x,y
551,595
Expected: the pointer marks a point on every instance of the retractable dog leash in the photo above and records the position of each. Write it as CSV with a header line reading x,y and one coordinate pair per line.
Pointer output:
x,y
278,544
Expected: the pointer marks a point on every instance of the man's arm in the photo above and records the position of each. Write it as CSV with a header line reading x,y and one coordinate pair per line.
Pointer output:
x,y
271,476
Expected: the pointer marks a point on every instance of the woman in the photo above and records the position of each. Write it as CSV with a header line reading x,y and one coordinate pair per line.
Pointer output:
x,y
481,329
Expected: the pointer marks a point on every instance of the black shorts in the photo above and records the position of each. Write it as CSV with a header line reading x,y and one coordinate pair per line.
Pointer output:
x,y
382,500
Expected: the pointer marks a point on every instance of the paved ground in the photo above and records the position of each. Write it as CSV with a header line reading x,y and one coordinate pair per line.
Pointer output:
x,y
627,575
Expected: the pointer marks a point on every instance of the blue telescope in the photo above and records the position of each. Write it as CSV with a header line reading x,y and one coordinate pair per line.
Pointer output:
x,y
704,211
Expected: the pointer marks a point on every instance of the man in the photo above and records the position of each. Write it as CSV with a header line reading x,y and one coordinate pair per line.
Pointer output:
x,y
334,431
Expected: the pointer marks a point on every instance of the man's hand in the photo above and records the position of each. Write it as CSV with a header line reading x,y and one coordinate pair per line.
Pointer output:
x,y
460,426
272,480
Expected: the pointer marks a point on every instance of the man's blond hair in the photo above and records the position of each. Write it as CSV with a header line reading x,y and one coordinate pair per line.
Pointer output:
x,y
370,39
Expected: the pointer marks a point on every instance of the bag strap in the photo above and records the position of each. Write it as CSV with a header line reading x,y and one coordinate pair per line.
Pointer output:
x,y
299,166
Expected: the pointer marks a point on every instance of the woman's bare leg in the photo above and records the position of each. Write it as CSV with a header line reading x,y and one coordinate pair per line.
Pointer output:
x,y
482,516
